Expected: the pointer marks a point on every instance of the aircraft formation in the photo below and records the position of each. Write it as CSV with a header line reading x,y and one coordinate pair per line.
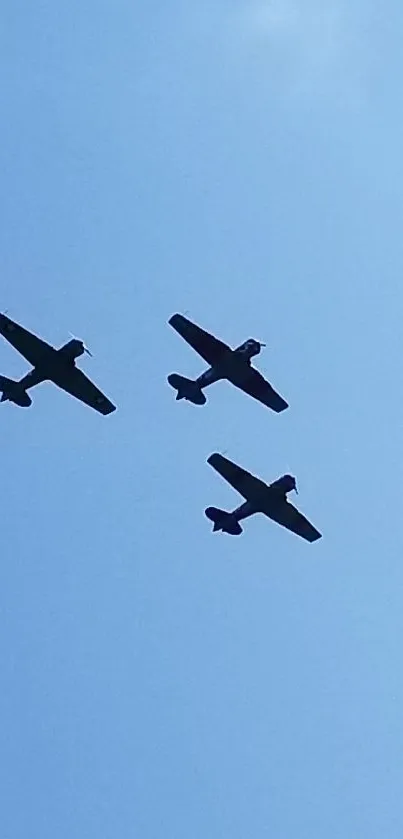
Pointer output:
x,y
233,365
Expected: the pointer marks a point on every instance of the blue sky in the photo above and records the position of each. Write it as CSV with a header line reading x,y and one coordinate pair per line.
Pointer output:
x,y
240,162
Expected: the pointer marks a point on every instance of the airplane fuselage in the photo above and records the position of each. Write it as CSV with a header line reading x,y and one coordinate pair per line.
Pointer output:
x,y
244,511
234,365
54,365
266,499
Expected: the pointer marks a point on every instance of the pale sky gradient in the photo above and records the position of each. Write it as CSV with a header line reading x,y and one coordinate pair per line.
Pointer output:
x,y
241,162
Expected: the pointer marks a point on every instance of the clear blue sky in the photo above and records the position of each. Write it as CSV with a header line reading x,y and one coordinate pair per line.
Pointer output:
x,y
242,162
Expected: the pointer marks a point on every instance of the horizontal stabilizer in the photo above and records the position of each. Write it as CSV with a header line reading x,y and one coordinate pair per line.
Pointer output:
x,y
187,389
223,521
14,392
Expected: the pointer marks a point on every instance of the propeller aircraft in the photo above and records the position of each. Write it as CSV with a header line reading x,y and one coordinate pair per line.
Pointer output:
x,y
224,363
49,364
271,500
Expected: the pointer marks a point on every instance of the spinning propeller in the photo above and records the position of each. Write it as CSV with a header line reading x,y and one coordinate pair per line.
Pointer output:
x,y
292,480
82,343
295,488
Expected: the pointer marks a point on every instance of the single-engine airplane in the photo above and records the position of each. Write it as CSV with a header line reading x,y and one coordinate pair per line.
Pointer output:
x,y
49,364
225,363
260,498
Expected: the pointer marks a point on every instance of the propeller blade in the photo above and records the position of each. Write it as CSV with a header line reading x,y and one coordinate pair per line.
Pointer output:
x,y
74,337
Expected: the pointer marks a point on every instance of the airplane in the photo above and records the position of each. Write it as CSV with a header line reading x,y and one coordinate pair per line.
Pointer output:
x,y
271,500
49,364
225,363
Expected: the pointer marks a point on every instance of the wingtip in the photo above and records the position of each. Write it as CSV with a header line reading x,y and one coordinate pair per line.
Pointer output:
x,y
212,458
109,409
315,536
216,460
282,406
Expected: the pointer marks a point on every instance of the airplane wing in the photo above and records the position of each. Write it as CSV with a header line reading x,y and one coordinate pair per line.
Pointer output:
x,y
288,516
75,382
28,344
244,483
255,385
209,347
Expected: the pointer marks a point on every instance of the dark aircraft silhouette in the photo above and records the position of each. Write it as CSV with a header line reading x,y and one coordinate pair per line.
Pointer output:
x,y
225,363
260,498
49,364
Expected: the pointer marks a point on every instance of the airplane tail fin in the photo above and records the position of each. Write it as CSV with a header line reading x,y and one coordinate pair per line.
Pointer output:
x,y
223,521
187,389
11,391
